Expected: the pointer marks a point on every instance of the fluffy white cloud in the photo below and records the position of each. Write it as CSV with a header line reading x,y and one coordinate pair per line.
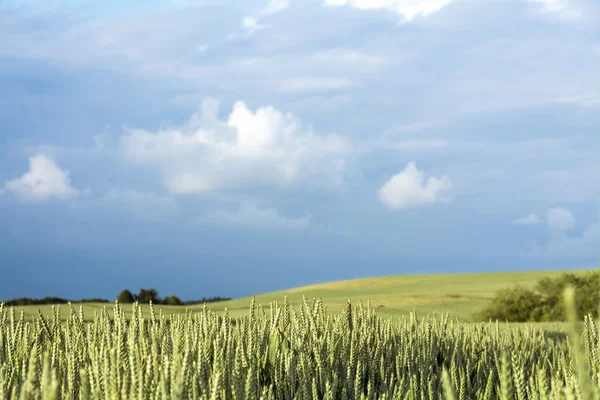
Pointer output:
x,y
531,219
44,180
409,188
407,9
250,148
560,219
254,216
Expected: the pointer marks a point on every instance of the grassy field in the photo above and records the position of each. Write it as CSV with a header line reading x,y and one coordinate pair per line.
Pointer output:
x,y
459,294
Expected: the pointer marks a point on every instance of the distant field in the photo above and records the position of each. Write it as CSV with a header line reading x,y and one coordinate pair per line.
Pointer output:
x,y
459,294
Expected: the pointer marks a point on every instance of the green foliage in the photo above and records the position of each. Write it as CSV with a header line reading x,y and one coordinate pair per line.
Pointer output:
x,y
27,301
172,300
544,303
125,297
203,300
291,353
515,304
146,296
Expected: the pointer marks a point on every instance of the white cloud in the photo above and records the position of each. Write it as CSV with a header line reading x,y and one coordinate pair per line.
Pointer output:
x,y
531,219
560,219
253,216
407,9
264,147
409,188
44,180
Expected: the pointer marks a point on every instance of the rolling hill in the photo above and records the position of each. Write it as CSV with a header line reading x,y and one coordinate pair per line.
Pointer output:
x,y
459,294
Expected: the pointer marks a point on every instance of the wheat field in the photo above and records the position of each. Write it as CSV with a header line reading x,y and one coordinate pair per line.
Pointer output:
x,y
328,341
286,352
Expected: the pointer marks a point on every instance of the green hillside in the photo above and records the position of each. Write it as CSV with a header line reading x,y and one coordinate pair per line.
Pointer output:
x,y
459,294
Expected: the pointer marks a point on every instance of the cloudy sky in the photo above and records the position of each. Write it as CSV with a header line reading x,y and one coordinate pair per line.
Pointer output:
x,y
212,148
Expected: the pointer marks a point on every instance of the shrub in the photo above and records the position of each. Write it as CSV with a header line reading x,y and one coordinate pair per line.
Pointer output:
x,y
125,297
147,295
545,302
214,299
516,305
172,300
94,300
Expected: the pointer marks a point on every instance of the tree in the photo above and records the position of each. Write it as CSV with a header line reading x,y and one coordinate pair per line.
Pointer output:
x,y
125,297
172,300
515,304
147,295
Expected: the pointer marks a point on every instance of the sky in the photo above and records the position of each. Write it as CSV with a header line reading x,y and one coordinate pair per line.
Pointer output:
x,y
231,148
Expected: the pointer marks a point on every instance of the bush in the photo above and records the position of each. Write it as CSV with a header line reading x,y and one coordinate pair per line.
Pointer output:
x,y
545,302
125,297
146,296
94,300
26,301
172,300
516,305
214,299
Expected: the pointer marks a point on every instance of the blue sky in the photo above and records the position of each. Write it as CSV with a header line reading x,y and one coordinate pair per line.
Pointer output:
x,y
233,148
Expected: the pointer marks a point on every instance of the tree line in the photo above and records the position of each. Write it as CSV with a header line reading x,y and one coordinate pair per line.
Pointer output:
x,y
144,296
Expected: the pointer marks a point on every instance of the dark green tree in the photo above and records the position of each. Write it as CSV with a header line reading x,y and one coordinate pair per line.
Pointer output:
x,y
172,300
147,295
125,297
